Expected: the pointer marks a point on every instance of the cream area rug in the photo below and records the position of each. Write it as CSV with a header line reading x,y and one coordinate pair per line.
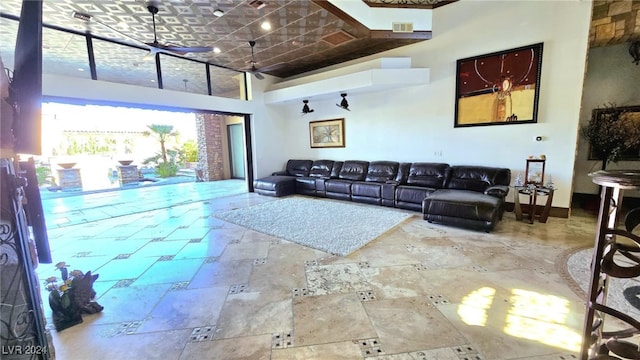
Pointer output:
x,y
624,294
334,226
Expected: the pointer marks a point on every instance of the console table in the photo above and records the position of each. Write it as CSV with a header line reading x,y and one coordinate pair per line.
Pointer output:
x,y
533,192
616,255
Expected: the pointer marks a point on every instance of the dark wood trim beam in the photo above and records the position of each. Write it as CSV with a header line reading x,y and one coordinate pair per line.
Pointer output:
x,y
388,34
340,14
404,5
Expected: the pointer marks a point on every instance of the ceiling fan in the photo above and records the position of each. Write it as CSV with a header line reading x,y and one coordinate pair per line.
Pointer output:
x,y
180,50
155,46
255,71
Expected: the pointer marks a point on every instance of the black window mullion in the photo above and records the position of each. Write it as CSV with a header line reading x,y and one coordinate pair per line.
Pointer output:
x,y
209,89
159,71
246,87
92,58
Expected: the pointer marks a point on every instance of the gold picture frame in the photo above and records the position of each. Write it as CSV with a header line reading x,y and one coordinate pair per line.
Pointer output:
x,y
326,133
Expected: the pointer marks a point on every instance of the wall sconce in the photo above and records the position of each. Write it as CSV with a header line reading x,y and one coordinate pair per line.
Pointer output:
x,y
305,108
634,50
344,104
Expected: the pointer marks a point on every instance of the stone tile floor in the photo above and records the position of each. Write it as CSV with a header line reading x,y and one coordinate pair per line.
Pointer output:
x,y
177,283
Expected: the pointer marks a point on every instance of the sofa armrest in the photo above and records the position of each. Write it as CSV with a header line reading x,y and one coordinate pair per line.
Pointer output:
x,y
497,191
279,173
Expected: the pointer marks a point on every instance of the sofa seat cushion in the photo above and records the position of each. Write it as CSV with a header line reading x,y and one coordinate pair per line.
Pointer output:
x,y
306,182
465,204
275,185
306,185
338,186
412,194
367,189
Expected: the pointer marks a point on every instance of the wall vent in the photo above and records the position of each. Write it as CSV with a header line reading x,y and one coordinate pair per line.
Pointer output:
x,y
257,4
402,27
338,38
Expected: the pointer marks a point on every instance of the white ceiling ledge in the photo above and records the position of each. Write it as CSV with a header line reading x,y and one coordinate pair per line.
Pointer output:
x,y
394,73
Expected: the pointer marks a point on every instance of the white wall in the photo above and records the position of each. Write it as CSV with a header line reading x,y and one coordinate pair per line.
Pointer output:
x,y
611,78
413,124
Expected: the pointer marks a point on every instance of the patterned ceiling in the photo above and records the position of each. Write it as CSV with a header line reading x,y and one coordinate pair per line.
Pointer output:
x,y
304,35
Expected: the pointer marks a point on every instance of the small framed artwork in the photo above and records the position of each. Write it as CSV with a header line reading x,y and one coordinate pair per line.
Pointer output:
x,y
326,133
535,172
499,88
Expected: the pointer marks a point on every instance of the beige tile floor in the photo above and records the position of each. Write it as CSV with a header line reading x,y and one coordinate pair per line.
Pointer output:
x,y
177,283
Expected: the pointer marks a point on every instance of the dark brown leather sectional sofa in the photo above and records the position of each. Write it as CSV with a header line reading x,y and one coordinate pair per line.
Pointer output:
x,y
465,196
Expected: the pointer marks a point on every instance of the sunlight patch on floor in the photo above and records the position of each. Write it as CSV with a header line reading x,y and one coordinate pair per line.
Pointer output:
x,y
532,316
473,307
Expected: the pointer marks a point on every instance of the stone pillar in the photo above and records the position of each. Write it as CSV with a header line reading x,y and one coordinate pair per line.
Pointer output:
x,y
128,174
210,131
70,179
614,21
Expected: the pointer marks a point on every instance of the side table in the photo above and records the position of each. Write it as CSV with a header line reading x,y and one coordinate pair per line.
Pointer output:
x,y
533,192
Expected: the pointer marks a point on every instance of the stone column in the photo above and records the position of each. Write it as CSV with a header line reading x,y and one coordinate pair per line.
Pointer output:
x,y
210,131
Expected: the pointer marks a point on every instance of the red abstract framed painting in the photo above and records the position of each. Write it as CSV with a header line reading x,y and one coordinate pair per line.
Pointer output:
x,y
499,88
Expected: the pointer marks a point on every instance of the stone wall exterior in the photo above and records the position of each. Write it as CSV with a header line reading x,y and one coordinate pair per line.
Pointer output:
x,y
210,131
614,22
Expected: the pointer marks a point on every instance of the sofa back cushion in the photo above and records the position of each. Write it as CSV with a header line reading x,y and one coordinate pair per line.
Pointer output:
x,y
382,171
354,170
299,167
335,170
321,168
477,178
403,173
432,175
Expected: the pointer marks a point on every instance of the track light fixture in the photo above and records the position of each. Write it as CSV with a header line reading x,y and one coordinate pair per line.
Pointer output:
x,y
343,104
305,108
634,50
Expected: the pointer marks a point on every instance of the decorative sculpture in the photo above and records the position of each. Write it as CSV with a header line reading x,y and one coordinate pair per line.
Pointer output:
x,y
73,298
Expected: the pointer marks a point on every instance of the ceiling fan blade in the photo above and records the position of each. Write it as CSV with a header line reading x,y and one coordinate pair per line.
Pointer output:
x,y
122,33
256,72
188,49
175,49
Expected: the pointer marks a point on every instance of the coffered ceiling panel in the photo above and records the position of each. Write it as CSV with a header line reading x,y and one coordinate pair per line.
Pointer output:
x,y
294,43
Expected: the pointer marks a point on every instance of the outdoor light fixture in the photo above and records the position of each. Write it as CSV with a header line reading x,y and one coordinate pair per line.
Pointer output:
x,y
344,104
634,50
305,108
218,12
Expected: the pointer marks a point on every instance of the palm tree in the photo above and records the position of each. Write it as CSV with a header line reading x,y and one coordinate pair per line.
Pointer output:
x,y
162,133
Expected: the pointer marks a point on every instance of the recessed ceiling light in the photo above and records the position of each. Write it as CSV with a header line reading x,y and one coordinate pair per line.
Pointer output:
x,y
217,50
266,25
80,69
153,80
218,12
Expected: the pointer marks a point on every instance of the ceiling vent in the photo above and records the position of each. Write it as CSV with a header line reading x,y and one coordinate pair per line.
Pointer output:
x,y
338,38
257,4
402,27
